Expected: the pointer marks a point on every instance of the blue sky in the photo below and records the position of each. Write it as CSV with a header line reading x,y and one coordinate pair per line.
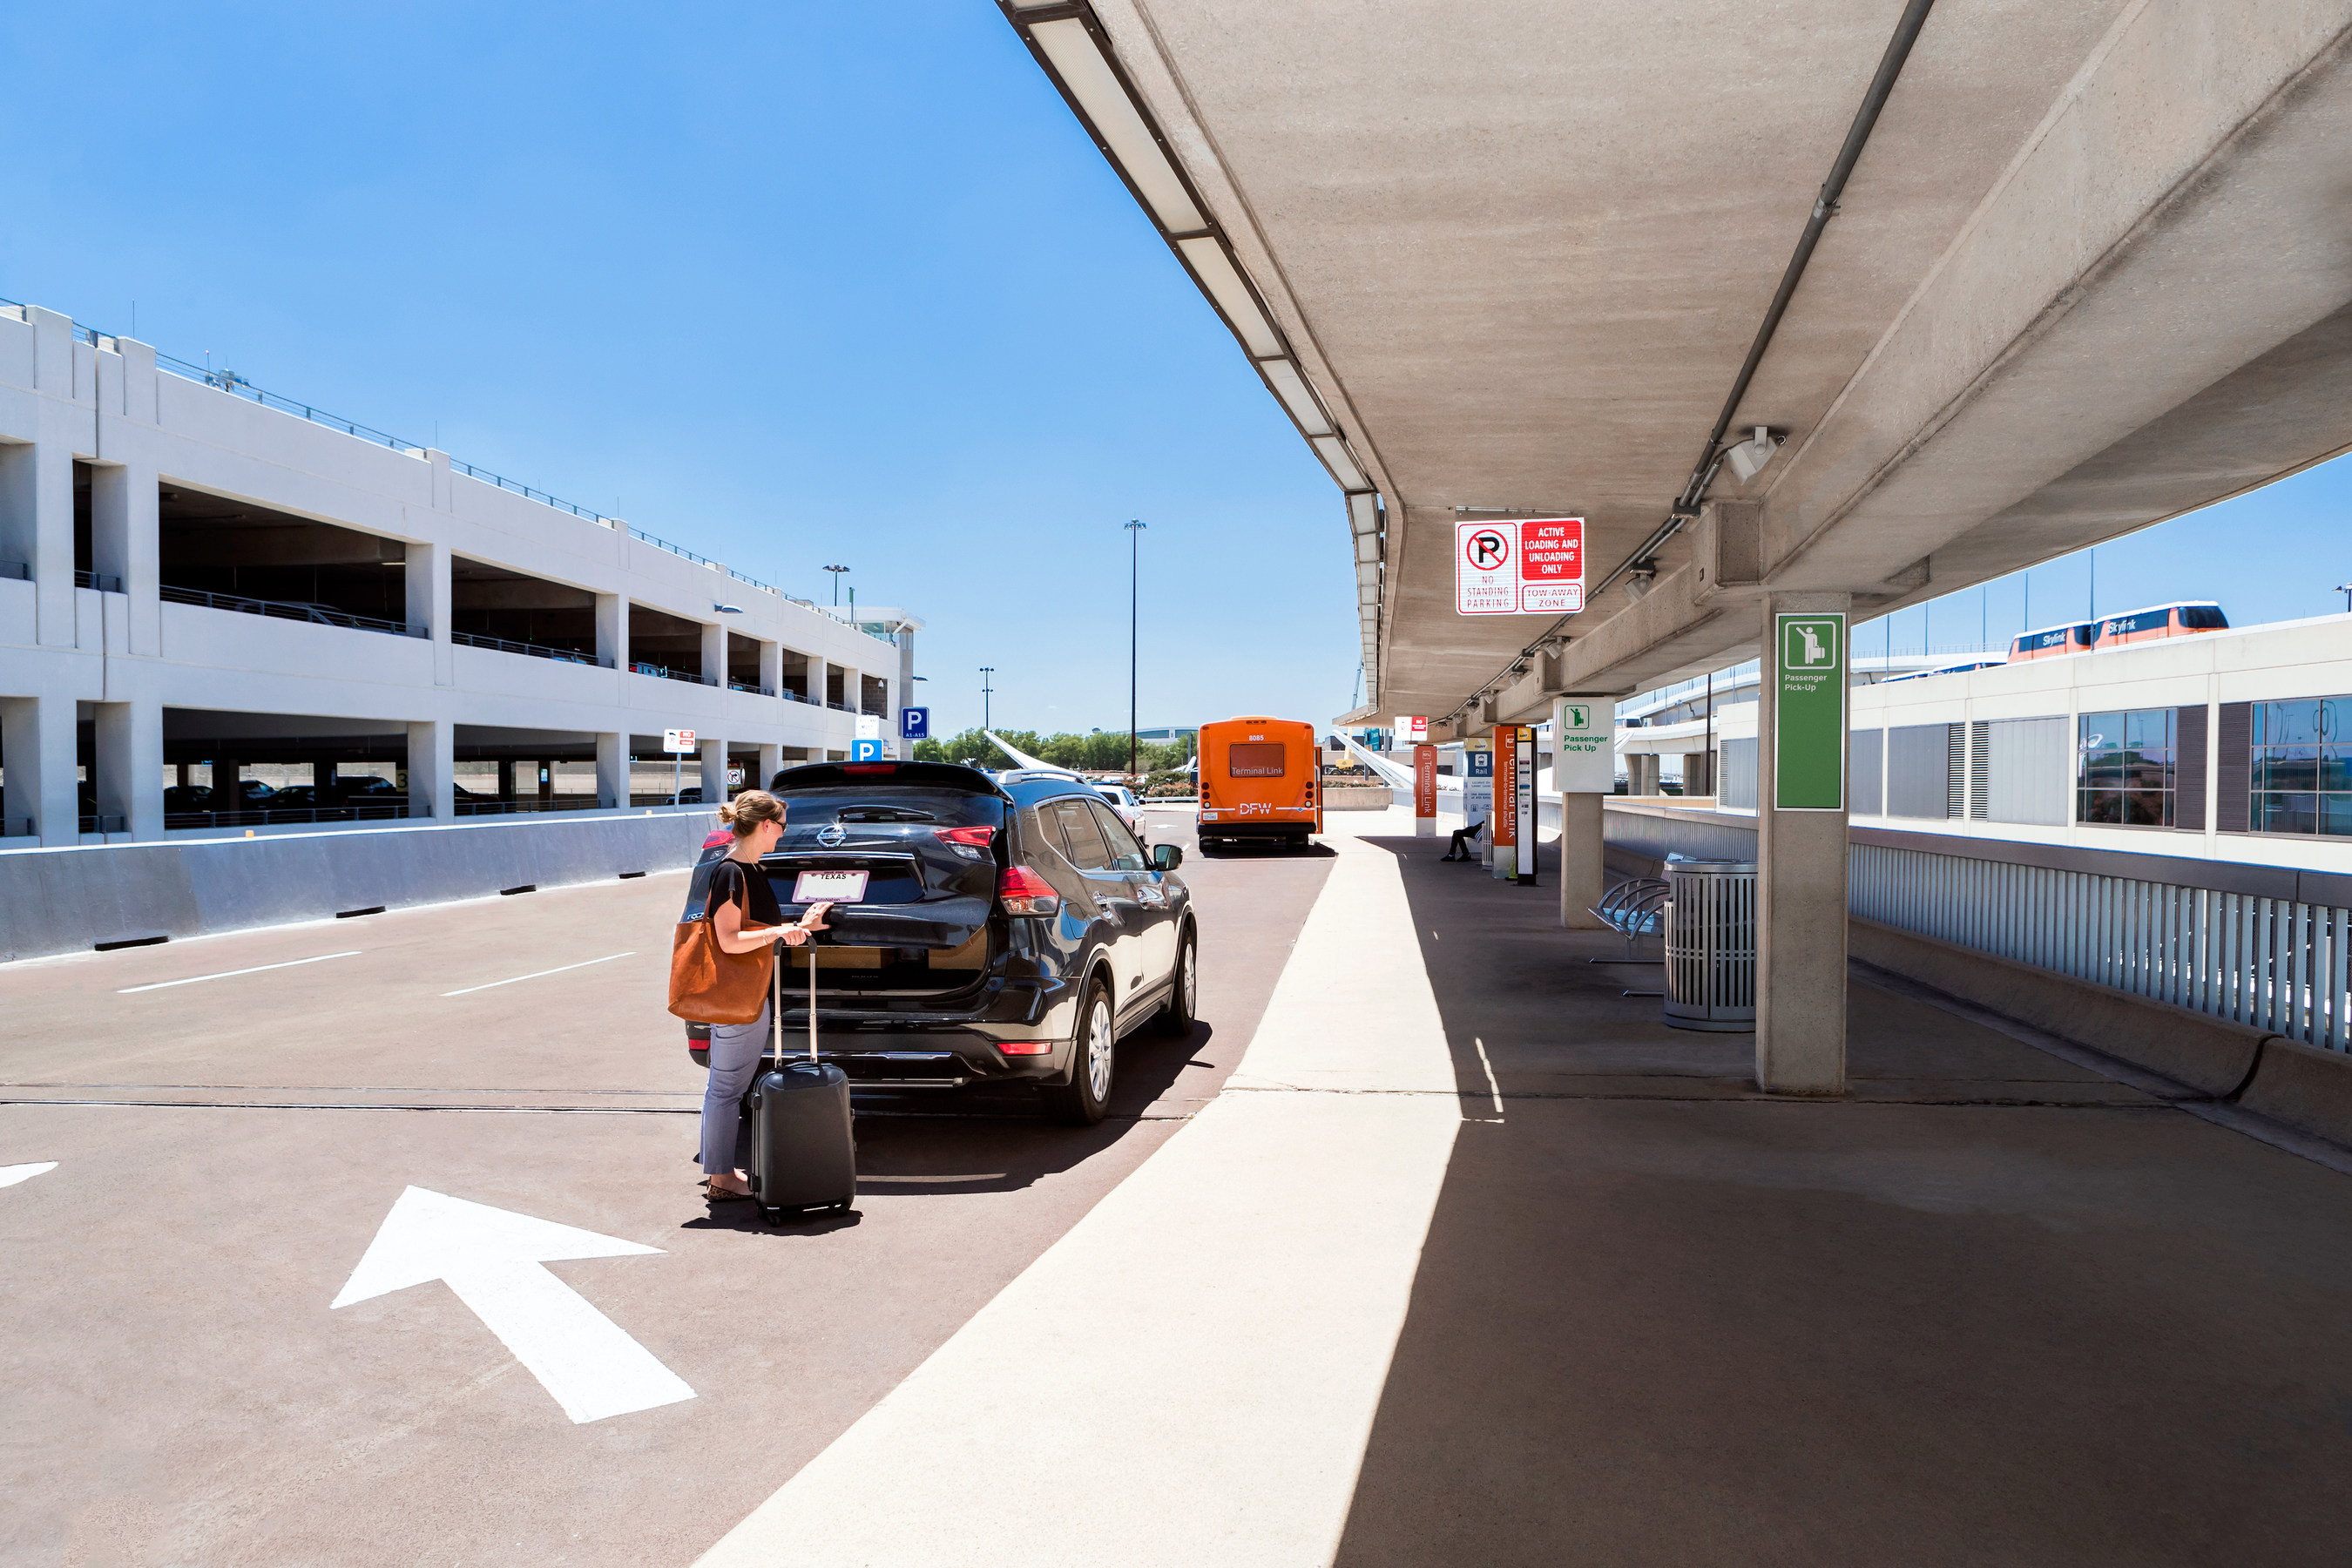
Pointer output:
x,y
789,285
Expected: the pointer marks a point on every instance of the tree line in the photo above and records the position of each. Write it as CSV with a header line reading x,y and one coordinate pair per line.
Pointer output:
x,y
1104,750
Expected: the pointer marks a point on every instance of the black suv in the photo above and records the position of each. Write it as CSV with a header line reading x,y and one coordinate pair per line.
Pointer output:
x,y
1006,933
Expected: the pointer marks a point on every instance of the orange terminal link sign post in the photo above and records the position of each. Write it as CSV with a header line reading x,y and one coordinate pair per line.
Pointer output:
x,y
1425,791
1507,802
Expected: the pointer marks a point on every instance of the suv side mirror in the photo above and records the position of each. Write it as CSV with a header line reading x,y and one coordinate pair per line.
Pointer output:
x,y
1166,857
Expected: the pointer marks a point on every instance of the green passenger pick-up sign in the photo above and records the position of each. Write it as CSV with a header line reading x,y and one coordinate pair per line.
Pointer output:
x,y
1810,745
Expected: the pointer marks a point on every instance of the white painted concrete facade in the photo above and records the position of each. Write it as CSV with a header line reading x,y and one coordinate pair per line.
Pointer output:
x,y
71,654
2271,663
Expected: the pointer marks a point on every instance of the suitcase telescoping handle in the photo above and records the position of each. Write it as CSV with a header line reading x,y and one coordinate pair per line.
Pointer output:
x,y
776,1006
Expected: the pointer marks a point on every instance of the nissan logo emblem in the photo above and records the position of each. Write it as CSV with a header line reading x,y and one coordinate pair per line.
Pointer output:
x,y
831,834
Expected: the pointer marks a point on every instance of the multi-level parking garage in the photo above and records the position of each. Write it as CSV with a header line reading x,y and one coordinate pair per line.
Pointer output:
x,y
222,613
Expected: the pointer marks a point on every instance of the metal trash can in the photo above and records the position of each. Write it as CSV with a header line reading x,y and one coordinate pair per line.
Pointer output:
x,y
1711,945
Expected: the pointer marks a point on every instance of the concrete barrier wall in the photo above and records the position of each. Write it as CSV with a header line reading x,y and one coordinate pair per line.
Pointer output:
x,y
70,901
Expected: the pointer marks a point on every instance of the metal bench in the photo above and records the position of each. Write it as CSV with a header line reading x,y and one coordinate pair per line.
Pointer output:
x,y
1634,909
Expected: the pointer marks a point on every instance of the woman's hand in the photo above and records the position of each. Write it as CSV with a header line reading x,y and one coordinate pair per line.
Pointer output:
x,y
814,919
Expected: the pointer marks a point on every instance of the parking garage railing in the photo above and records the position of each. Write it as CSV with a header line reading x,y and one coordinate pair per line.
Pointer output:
x,y
20,570
483,806
751,686
664,672
530,649
286,610
288,815
105,583
2272,963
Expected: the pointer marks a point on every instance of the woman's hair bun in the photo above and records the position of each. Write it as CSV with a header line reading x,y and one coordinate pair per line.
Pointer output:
x,y
749,809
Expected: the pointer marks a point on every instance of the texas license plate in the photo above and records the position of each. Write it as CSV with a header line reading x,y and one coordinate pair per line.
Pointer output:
x,y
829,887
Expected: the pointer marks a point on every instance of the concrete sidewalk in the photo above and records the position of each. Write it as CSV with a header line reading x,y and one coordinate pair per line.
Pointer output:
x,y
1476,1262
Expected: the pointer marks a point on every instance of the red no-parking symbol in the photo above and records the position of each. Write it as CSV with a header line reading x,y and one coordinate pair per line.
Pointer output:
x,y
1486,548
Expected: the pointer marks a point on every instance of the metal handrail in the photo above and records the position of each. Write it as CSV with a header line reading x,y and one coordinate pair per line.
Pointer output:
x,y
517,803
530,649
665,673
105,583
751,686
287,815
287,610
106,822
21,570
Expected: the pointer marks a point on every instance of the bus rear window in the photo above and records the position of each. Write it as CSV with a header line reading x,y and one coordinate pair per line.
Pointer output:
x,y
1254,760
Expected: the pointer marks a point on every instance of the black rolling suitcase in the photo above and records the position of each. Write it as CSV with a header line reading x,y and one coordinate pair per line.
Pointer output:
x,y
803,1156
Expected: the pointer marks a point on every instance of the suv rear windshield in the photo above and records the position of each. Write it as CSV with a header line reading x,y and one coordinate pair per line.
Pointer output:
x,y
885,802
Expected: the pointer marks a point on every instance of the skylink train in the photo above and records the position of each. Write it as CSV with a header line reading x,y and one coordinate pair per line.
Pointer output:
x,y
2178,620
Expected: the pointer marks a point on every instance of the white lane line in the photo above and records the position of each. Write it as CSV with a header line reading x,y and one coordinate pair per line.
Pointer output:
x,y
232,973
1243,1287
541,973
1492,1087
11,1174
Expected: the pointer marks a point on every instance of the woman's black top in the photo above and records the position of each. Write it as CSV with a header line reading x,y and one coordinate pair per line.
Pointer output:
x,y
731,879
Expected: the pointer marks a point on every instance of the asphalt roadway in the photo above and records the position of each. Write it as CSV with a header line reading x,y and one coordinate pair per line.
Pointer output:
x,y
228,1144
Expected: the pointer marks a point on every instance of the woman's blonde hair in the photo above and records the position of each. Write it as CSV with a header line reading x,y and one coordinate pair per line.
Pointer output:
x,y
750,809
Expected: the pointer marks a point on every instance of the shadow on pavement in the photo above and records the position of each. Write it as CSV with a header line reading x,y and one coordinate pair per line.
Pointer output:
x,y
1990,1309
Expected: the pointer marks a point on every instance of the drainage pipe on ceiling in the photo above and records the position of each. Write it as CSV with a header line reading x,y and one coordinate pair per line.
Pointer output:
x,y
1825,207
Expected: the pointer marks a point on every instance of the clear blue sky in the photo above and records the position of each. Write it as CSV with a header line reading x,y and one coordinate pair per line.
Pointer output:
x,y
789,285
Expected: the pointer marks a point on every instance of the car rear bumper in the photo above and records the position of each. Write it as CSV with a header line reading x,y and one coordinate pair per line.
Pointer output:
x,y
1019,1033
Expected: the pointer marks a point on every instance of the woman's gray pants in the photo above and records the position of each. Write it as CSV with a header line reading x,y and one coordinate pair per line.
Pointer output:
x,y
734,1056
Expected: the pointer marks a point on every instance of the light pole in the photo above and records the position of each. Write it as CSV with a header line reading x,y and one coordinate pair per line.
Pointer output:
x,y
836,571
2345,589
1134,609
986,721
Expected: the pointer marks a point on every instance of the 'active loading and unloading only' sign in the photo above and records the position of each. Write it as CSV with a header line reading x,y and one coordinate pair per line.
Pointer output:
x,y
1526,566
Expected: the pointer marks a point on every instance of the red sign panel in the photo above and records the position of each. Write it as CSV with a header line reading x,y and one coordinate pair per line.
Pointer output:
x,y
1551,565
1424,781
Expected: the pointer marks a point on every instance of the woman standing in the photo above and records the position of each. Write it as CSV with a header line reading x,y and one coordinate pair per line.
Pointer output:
x,y
745,918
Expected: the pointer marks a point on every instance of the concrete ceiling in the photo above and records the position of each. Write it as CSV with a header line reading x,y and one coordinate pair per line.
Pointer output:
x,y
2085,275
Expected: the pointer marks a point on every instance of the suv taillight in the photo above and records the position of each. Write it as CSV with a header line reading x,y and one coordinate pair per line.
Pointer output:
x,y
978,837
1023,893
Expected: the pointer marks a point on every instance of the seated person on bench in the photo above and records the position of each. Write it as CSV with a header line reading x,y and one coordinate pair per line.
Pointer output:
x,y
1464,838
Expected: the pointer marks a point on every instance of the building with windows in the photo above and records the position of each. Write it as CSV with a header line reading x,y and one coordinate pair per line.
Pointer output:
x,y
2231,745
224,612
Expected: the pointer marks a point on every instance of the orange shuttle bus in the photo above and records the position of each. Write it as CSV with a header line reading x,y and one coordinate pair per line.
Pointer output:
x,y
1258,783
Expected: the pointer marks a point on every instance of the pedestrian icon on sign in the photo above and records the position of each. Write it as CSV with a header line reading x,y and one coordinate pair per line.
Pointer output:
x,y
1811,645
1579,717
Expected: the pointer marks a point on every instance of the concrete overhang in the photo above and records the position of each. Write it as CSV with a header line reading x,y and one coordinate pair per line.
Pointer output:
x,y
2089,273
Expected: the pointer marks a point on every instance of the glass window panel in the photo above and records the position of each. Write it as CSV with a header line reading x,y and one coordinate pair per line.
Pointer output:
x,y
2334,711
2291,768
2290,813
2101,805
2144,808
2335,815
2335,768
2144,728
2295,723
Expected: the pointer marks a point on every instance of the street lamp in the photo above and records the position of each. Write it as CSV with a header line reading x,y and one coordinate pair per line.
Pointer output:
x,y
1134,606
2345,589
986,719
836,571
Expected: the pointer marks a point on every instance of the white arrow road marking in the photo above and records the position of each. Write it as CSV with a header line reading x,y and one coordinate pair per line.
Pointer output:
x,y
491,1259
11,1174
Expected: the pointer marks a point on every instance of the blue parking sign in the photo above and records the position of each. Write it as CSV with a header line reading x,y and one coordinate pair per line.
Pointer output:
x,y
865,751
914,723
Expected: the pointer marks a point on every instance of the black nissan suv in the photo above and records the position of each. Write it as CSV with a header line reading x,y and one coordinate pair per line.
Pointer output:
x,y
1005,934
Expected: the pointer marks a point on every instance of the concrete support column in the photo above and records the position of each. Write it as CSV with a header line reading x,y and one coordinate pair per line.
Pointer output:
x,y
1581,873
817,677
714,769
1641,773
714,655
427,573
771,761
613,629
124,544
432,769
1800,906
613,769
37,735
772,666
49,480
130,765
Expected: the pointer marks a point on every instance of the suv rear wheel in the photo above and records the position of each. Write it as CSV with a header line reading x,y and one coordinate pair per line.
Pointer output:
x,y
1176,1019
1082,1101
